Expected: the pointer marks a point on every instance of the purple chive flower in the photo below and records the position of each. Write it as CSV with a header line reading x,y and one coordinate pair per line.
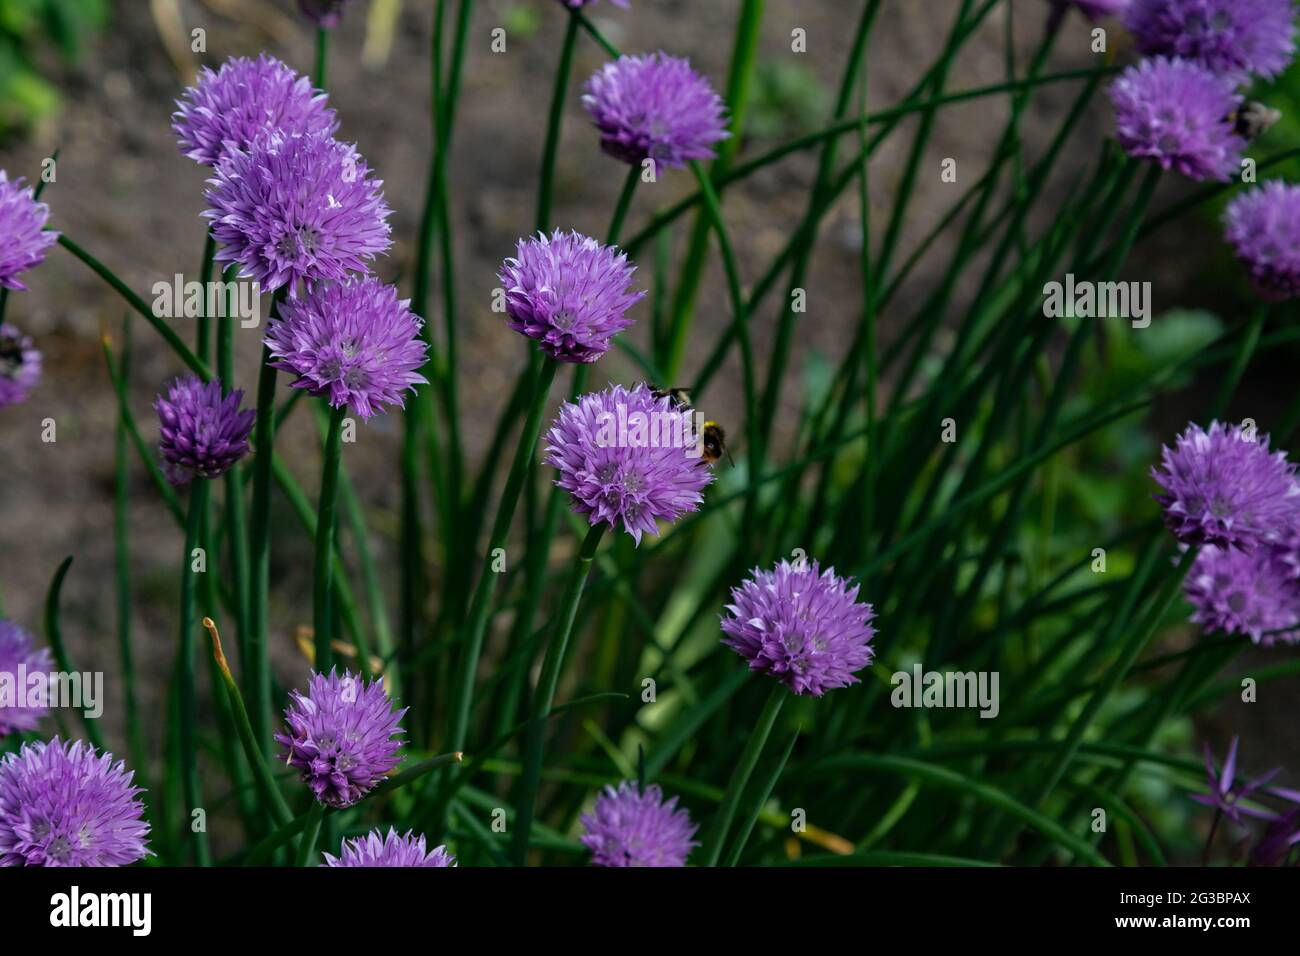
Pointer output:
x,y
23,236
628,827
202,432
1178,114
1263,225
802,625
68,805
646,470
655,107
1224,489
243,98
354,342
341,736
374,849
570,293
1227,795
324,13
1232,37
18,650
296,207
20,366
1274,847
1244,592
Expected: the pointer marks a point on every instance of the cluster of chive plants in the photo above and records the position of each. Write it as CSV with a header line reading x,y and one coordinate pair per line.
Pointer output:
x,y
558,681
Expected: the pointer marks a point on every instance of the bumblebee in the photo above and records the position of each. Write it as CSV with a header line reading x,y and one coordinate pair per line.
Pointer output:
x,y
681,397
715,443
1254,120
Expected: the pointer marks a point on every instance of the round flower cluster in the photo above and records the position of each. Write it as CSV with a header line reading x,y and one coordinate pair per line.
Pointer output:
x,y
203,431
1227,494
68,805
629,475
801,625
632,827
568,293
23,236
375,849
341,736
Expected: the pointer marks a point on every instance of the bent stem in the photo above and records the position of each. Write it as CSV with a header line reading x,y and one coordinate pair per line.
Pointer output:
x,y
744,767
326,519
545,694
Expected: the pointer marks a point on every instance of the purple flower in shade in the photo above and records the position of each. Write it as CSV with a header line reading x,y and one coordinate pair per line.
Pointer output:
x,y
19,650
1228,795
296,207
1244,592
648,471
341,737
1281,836
20,366
1178,114
324,13
67,805
628,827
1287,551
1225,489
202,431
569,293
23,236
1232,37
802,625
655,107
353,342
374,849
231,106
1263,225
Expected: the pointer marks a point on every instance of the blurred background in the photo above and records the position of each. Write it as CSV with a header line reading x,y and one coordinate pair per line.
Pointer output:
x,y
96,80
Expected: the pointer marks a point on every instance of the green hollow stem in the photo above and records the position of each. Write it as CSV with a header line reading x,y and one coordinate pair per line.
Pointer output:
x,y
744,769
555,120
54,634
310,831
326,520
480,603
122,562
320,73
739,80
1249,342
185,669
203,329
544,696
258,679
